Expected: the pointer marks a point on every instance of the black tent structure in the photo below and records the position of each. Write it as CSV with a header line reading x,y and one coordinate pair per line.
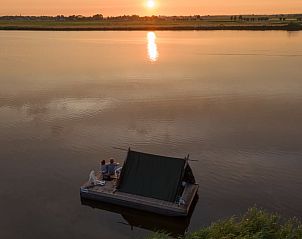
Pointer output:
x,y
148,182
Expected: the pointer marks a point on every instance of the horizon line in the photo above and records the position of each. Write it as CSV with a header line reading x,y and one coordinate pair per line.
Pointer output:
x,y
204,15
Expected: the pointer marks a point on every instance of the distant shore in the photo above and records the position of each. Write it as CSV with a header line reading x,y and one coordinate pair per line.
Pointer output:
x,y
146,26
150,28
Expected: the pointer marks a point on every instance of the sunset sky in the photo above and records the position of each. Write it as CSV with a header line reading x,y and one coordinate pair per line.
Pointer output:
x,y
161,7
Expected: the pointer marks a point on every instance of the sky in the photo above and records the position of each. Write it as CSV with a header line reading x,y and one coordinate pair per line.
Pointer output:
x,y
162,7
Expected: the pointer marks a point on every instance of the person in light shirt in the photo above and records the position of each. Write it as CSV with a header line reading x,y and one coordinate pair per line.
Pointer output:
x,y
103,167
111,167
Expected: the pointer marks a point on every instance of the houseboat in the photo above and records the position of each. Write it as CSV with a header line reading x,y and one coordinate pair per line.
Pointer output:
x,y
147,182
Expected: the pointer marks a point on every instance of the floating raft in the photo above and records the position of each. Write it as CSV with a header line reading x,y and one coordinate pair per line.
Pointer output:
x,y
168,186
109,194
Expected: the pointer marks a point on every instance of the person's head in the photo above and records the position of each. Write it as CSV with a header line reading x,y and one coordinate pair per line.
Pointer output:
x,y
111,160
103,162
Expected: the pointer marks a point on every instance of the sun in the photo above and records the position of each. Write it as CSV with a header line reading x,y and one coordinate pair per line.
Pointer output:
x,y
150,4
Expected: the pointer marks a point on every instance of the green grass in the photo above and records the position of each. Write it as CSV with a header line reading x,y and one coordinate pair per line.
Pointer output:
x,y
218,24
255,224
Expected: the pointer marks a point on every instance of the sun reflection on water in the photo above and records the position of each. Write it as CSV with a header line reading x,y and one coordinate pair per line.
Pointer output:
x,y
152,47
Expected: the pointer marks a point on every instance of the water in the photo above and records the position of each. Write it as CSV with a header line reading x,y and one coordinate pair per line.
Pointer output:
x,y
230,99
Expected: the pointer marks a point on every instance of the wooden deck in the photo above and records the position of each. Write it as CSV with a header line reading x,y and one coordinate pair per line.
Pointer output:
x,y
109,194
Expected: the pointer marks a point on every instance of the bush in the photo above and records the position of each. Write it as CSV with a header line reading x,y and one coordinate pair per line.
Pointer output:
x,y
255,224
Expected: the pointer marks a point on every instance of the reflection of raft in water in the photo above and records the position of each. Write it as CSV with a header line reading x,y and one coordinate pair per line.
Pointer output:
x,y
176,226
152,183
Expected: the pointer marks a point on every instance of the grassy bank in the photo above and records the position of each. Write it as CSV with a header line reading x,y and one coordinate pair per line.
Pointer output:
x,y
147,25
255,224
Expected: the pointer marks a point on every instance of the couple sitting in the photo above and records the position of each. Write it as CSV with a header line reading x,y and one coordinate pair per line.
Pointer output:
x,y
109,170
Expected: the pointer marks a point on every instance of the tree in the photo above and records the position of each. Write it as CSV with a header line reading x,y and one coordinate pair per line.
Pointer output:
x,y
98,17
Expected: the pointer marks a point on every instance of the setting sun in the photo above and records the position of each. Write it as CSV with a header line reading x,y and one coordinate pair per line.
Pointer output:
x,y
150,4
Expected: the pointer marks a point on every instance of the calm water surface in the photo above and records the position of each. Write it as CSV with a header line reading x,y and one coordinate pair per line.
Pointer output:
x,y
232,100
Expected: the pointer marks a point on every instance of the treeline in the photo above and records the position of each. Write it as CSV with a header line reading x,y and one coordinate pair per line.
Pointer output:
x,y
53,18
97,17
264,18
100,17
252,19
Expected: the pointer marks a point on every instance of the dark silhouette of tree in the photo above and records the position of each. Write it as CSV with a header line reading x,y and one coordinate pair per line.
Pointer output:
x,y
98,17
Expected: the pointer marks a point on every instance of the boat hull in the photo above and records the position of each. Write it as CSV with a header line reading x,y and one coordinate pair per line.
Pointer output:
x,y
103,194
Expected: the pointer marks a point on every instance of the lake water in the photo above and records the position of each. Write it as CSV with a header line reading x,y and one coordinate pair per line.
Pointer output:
x,y
232,100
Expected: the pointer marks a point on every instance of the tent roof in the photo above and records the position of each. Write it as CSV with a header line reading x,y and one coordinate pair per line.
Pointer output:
x,y
151,175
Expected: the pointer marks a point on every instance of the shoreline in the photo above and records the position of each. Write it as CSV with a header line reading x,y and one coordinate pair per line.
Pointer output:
x,y
147,26
287,22
154,28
